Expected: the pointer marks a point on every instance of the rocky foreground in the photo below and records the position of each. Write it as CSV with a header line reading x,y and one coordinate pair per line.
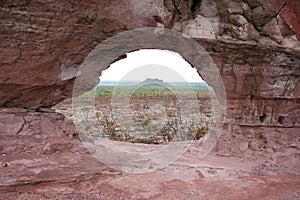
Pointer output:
x,y
42,157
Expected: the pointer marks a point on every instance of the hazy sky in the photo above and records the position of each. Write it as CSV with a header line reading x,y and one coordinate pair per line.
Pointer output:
x,y
151,63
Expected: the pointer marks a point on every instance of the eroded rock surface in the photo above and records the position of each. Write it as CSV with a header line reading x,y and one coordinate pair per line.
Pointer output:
x,y
255,45
43,43
261,86
43,158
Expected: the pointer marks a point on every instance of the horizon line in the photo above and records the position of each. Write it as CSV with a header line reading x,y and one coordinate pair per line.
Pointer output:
x,y
117,81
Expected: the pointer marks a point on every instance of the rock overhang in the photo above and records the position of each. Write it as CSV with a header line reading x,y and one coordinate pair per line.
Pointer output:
x,y
44,45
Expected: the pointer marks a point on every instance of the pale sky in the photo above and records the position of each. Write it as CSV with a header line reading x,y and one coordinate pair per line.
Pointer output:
x,y
151,63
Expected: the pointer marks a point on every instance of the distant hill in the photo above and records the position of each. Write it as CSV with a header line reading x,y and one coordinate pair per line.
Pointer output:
x,y
152,80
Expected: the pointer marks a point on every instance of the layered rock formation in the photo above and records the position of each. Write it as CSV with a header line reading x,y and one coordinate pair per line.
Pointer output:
x,y
261,86
43,43
255,45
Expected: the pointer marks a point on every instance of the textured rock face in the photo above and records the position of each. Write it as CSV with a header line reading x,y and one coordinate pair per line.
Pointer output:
x,y
255,44
43,43
43,158
36,133
261,86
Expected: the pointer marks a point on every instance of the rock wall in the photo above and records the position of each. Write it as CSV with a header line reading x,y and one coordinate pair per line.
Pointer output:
x,y
42,157
262,91
36,133
254,44
43,43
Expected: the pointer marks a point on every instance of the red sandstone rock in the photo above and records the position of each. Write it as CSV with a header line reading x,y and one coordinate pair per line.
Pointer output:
x,y
37,164
254,46
42,44
289,11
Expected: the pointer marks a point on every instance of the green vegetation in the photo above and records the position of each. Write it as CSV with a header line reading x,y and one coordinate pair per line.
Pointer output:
x,y
148,90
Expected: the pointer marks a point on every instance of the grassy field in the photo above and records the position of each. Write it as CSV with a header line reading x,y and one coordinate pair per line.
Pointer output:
x,y
150,90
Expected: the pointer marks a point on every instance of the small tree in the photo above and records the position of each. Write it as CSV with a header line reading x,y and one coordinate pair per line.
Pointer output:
x,y
98,115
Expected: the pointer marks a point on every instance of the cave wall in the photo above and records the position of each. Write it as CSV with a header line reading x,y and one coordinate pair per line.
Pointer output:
x,y
255,45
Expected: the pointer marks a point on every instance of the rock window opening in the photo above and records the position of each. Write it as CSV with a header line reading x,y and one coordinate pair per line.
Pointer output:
x,y
143,97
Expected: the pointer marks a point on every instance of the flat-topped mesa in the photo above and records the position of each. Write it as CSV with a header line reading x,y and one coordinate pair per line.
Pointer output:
x,y
152,80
